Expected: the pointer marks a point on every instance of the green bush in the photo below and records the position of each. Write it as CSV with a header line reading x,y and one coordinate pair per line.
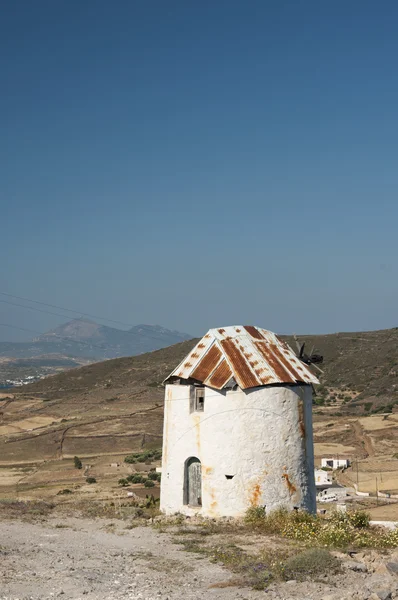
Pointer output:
x,y
153,476
123,482
136,478
91,480
309,564
319,400
359,519
64,492
144,457
149,483
77,462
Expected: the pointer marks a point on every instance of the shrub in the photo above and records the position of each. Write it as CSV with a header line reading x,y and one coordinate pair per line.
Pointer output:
x,y
144,457
359,519
310,563
368,406
301,526
64,492
149,483
136,478
123,482
273,522
77,462
91,480
340,530
153,476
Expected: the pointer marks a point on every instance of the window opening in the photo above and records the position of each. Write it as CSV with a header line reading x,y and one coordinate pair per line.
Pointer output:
x,y
197,403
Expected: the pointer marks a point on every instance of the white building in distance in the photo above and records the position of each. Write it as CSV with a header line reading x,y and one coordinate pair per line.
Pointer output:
x,y
335,463
238,427
323,479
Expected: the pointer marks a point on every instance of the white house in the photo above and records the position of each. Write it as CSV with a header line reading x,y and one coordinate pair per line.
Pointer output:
x,y
323,479
335,463
238,427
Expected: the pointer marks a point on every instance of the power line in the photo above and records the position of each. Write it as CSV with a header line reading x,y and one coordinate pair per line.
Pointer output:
x,y
47,312
77,312
137,333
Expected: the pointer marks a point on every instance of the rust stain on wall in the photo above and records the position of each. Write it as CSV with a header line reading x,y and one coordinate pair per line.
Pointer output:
x,y
197,432
213,501
255,495
290,486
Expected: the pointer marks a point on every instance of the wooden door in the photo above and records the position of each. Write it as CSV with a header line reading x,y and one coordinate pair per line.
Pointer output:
x,y
194,482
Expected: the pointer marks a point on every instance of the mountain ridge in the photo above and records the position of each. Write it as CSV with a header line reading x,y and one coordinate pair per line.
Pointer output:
x,y
78,342
87,339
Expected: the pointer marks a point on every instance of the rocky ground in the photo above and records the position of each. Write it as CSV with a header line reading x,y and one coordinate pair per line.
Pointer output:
x,y
98,559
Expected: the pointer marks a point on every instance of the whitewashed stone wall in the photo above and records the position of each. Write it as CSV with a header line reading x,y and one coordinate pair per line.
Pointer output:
x,y
263,437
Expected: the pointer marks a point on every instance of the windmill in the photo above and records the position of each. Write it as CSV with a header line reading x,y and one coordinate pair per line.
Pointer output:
x,y
310,359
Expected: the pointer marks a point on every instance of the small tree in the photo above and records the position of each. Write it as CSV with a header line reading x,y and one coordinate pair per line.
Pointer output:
x,y
149,483
78,462
91,480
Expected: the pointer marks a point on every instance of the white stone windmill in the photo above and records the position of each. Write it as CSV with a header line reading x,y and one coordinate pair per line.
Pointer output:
x,y
238,427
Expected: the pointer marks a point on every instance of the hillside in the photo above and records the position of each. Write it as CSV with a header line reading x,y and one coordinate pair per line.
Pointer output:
x,y
104,411
363,364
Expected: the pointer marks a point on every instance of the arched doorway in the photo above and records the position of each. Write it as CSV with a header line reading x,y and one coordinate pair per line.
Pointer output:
x,y
193,482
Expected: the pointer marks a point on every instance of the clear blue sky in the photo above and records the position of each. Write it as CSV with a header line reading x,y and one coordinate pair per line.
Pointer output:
x,y
196,164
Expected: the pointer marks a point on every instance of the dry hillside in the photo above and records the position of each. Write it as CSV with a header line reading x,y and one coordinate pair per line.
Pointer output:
x,y
104,411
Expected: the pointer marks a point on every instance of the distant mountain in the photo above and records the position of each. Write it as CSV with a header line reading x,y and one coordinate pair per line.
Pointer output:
x,y
82,338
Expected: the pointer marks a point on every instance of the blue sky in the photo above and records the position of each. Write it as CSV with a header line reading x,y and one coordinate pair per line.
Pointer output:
x,y
197,164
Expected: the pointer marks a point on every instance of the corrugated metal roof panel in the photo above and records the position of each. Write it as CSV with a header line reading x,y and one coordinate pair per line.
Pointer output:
x,y
243,374
253,356
220,377
207,365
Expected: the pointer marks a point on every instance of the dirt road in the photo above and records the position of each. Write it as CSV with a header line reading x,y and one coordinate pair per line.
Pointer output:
x,y
82,559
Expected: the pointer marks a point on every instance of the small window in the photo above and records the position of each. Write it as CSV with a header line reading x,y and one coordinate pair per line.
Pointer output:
x,y
197,401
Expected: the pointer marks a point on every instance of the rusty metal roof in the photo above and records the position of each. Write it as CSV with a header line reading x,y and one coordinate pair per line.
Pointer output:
x,y
251,355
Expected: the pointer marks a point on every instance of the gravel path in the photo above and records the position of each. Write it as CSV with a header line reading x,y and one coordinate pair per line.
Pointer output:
x,y
81,559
